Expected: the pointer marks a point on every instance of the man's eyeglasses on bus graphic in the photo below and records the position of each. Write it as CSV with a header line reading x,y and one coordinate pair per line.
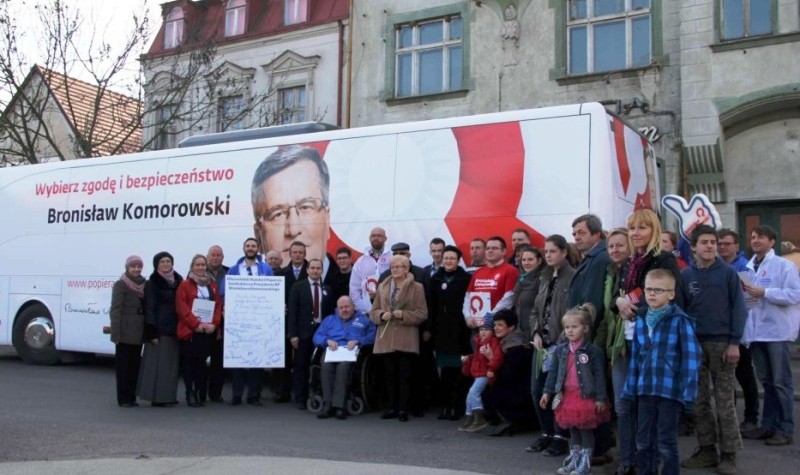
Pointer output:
x,y
290,202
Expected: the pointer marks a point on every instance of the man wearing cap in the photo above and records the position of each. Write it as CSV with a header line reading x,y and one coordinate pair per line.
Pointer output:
x,y
403,249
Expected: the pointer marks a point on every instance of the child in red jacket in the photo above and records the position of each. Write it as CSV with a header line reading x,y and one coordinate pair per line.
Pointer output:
x,y
480,367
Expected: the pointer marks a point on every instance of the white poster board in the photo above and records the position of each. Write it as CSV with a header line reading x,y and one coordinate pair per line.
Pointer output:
x,y
254,322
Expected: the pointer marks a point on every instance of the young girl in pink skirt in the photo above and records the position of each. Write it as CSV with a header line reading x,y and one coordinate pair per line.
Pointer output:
x,y
577,385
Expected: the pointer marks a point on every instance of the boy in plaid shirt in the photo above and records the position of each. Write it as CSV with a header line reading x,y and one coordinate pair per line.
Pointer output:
x,y
665,362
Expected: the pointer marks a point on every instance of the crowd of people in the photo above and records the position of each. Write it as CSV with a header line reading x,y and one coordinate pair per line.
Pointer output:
x,y
570,338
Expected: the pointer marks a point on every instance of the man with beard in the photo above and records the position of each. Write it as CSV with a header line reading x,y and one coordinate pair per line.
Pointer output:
x,y
367,270
249,265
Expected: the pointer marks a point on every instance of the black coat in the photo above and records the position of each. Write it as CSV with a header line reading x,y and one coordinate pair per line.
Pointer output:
x,y
301,308
664,260
445,310
160,317
288,276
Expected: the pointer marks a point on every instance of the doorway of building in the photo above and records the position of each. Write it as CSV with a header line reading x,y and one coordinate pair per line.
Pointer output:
x,y
784,216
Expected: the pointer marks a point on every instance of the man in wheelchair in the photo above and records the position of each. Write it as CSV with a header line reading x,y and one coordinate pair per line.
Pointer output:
x,y
345,331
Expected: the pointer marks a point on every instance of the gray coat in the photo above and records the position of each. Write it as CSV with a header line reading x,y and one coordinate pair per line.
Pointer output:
x,y
127,315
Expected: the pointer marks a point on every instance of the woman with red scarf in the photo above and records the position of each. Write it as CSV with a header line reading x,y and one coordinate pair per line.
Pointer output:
x,y
197,324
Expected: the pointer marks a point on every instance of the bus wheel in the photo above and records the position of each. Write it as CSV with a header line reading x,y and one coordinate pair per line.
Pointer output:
x,y
35,336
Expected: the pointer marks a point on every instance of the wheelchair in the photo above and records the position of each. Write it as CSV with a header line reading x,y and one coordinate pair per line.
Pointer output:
x,y
364,387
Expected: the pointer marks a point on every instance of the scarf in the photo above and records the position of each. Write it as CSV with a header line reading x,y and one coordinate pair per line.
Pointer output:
x,y
168,276
655,316
201,281
635,268
514,338
136,284
574,345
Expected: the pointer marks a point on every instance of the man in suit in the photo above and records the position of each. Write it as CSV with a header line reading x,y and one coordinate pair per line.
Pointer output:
x,y
292,273
310,300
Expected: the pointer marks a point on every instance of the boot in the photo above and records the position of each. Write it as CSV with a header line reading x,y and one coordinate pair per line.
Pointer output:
x,y
478,421
727,463
468,418
584,463
191,398
703,457
571,462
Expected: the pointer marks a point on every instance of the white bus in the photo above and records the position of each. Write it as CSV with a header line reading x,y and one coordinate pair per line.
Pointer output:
x,y
67,227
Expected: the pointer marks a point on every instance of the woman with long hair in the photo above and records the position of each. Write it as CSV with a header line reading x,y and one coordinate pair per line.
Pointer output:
x,y
197,324
551,303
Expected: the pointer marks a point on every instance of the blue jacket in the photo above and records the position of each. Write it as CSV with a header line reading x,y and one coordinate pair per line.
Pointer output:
x,y
588,285
740,263
590,362
263,269
358,328
713,297
667,364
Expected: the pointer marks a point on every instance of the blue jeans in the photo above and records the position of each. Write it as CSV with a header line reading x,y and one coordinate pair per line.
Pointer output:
x,y
474,396
771,360
658,435
626,412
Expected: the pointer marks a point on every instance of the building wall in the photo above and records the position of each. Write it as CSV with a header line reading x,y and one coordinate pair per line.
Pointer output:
x,y
743,94
517,73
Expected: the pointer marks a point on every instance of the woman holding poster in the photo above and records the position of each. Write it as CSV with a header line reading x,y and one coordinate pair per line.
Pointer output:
x,y
398,310
199,310
158,377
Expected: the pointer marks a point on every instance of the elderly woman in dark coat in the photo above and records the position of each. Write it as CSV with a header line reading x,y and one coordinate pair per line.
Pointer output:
x,y
450,333
158,377
127,329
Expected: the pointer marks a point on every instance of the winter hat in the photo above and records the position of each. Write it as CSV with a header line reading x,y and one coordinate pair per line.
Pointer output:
x,y
488,321
133,259
160,256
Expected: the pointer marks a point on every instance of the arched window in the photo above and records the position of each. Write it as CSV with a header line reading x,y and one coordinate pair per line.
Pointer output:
x,y
235,17
173,31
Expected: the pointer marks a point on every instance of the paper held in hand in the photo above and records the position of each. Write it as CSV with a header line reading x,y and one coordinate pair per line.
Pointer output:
x,y
204,309
341,355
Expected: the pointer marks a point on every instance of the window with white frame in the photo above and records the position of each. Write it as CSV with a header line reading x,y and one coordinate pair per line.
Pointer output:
x,y
230,115
235,17
295,11
429,57
608,35
292,105
745,18
173,29
166,131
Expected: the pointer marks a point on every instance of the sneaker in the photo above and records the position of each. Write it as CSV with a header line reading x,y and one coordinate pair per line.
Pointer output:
x,y
557,448
727,464
468,418
778,439
703,457
539,444
758,434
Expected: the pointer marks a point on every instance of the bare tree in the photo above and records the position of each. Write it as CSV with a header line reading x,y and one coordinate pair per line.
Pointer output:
x,y
112,109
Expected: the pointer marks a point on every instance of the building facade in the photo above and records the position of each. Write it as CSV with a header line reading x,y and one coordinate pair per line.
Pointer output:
x,y
223,65
740,92
416,59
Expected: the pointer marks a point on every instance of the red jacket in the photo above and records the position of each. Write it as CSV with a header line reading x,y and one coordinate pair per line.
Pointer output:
x,y
477,365
184,298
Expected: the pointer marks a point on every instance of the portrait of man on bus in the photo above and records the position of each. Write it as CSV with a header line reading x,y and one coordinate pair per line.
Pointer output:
x,y
290,202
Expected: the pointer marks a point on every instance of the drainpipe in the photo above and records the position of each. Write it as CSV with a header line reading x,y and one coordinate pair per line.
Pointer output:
x,y
349,65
